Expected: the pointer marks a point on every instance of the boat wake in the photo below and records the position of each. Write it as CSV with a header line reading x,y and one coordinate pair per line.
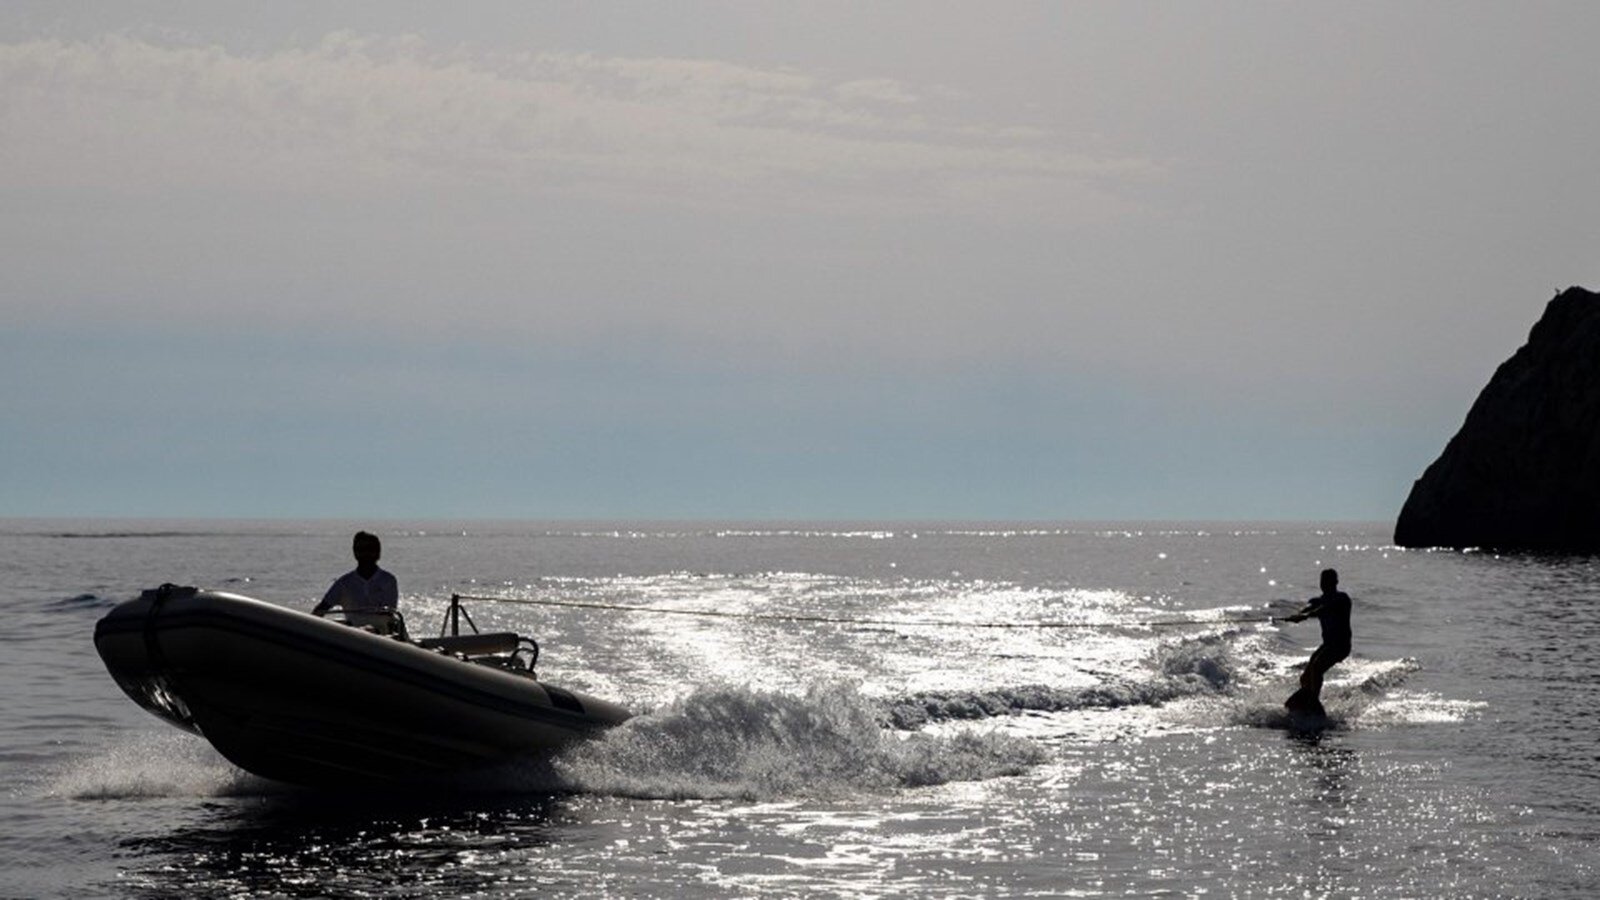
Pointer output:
x,y
1201,665
1345,702
151,765
737,742
1213,679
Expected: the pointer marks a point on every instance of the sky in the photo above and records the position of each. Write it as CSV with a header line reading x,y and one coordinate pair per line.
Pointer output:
x,y
831,260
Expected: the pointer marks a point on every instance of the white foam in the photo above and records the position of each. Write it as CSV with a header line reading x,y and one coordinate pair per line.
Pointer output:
x,y
740,742
1420,709
153,764
1349,700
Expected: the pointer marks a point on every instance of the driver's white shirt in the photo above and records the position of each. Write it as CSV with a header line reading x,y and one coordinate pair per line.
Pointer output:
x,y
352,592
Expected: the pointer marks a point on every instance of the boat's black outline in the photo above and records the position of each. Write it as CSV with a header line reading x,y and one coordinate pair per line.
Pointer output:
x,y
335,652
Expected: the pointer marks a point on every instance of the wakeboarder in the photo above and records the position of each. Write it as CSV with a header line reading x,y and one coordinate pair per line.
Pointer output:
x,y
1332,607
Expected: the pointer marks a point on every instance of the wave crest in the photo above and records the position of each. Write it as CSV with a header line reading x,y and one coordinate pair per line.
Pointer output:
x,y
739,742
1195,666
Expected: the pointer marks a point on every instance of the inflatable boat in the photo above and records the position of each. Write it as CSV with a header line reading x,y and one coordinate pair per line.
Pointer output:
x,y
314,701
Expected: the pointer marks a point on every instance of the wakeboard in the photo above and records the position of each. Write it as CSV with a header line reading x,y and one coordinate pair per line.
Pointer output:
x,y
1305,703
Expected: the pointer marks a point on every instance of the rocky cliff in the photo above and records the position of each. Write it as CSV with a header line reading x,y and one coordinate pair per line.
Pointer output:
x,y
1524,471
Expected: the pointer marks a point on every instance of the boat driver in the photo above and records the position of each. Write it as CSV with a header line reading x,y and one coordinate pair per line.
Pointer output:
x,y
367,594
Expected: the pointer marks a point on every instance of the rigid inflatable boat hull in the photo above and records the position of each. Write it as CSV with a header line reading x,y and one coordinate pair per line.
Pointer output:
x,y
293,697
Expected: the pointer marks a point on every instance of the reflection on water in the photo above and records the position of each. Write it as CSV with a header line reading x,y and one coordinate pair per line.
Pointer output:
x,y
1108,758
1329,773
309,845
1542,656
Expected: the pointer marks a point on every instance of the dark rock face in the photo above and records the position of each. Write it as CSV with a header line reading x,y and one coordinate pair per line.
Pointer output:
x,y
1523,473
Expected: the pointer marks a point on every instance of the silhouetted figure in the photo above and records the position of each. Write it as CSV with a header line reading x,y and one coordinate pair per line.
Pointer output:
x,y
1333,609
367,594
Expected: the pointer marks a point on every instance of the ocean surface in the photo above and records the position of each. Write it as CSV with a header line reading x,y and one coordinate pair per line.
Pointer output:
x,y
1133,745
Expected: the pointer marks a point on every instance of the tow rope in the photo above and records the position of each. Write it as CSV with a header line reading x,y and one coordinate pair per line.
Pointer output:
x,y
838,620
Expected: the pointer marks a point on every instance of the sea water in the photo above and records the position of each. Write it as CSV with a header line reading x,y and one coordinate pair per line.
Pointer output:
x,y
899,743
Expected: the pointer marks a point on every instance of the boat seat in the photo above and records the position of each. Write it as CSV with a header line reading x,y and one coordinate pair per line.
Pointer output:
x,y
378,621
488,643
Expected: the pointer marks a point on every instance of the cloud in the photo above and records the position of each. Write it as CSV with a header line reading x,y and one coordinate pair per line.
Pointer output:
x,y
878,90
350,111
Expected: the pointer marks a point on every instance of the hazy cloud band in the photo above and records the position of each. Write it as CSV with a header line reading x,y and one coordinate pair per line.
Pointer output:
x,y
122,112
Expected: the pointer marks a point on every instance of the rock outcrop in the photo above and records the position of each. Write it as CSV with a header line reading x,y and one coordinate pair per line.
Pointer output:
x,y
1523,473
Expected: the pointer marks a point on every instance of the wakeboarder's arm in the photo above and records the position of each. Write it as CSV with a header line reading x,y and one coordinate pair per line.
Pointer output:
x,y
1313,609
